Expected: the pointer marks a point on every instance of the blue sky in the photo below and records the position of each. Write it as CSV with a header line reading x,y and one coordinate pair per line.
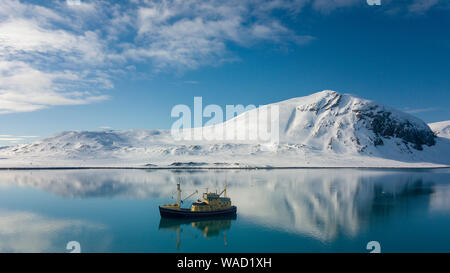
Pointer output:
x,y
125,64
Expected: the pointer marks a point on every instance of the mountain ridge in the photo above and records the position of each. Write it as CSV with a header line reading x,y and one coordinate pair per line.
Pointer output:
x,y
325,129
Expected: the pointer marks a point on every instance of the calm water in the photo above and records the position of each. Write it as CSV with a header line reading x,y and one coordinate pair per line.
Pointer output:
x,y
278,211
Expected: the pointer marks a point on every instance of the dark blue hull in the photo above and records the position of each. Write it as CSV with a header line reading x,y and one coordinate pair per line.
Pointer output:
x,y
187,213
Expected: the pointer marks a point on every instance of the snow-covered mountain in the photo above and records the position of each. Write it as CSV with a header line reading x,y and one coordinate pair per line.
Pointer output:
x,y
441,129
325,129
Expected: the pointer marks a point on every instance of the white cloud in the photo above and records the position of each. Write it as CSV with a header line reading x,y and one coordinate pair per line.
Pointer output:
x,y
67,54
52,53
327,6
15,139
81,6
25,35
43,63
422,6
192,33
24,88
191,82
422,110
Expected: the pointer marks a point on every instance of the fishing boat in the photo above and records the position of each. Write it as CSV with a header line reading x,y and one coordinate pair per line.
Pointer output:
x,y
213,204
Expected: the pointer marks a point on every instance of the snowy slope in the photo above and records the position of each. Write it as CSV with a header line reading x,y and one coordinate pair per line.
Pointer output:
x,y
325,129
441,129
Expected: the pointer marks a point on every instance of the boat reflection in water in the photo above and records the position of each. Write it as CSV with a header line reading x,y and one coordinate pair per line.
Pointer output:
x,y
209,226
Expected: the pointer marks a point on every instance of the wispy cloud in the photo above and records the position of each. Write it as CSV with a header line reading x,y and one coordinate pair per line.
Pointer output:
x,y
68,52
191,82
191,33
422,6
44,63
54,54
422,110
24,88
413,7
327,6
15,139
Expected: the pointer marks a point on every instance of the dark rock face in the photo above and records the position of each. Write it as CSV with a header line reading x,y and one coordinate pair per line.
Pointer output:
x,y
384,125
188,164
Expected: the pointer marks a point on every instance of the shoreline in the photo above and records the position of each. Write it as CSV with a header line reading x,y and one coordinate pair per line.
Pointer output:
x,y
207,168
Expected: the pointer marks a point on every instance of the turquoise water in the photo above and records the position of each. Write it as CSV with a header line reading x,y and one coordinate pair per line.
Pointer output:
x,y
307,210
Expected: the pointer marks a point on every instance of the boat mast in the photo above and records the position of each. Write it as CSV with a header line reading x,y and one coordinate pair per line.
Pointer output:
x,y
178,194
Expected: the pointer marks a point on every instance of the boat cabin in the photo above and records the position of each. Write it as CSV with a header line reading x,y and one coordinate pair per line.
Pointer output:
x,y
211,201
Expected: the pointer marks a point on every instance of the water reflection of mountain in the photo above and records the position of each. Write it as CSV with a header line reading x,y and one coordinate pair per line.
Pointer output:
x,y
385,203
209,227
321,203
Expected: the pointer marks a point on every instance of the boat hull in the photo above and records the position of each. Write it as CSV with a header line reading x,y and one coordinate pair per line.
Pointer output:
x,y
187,213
